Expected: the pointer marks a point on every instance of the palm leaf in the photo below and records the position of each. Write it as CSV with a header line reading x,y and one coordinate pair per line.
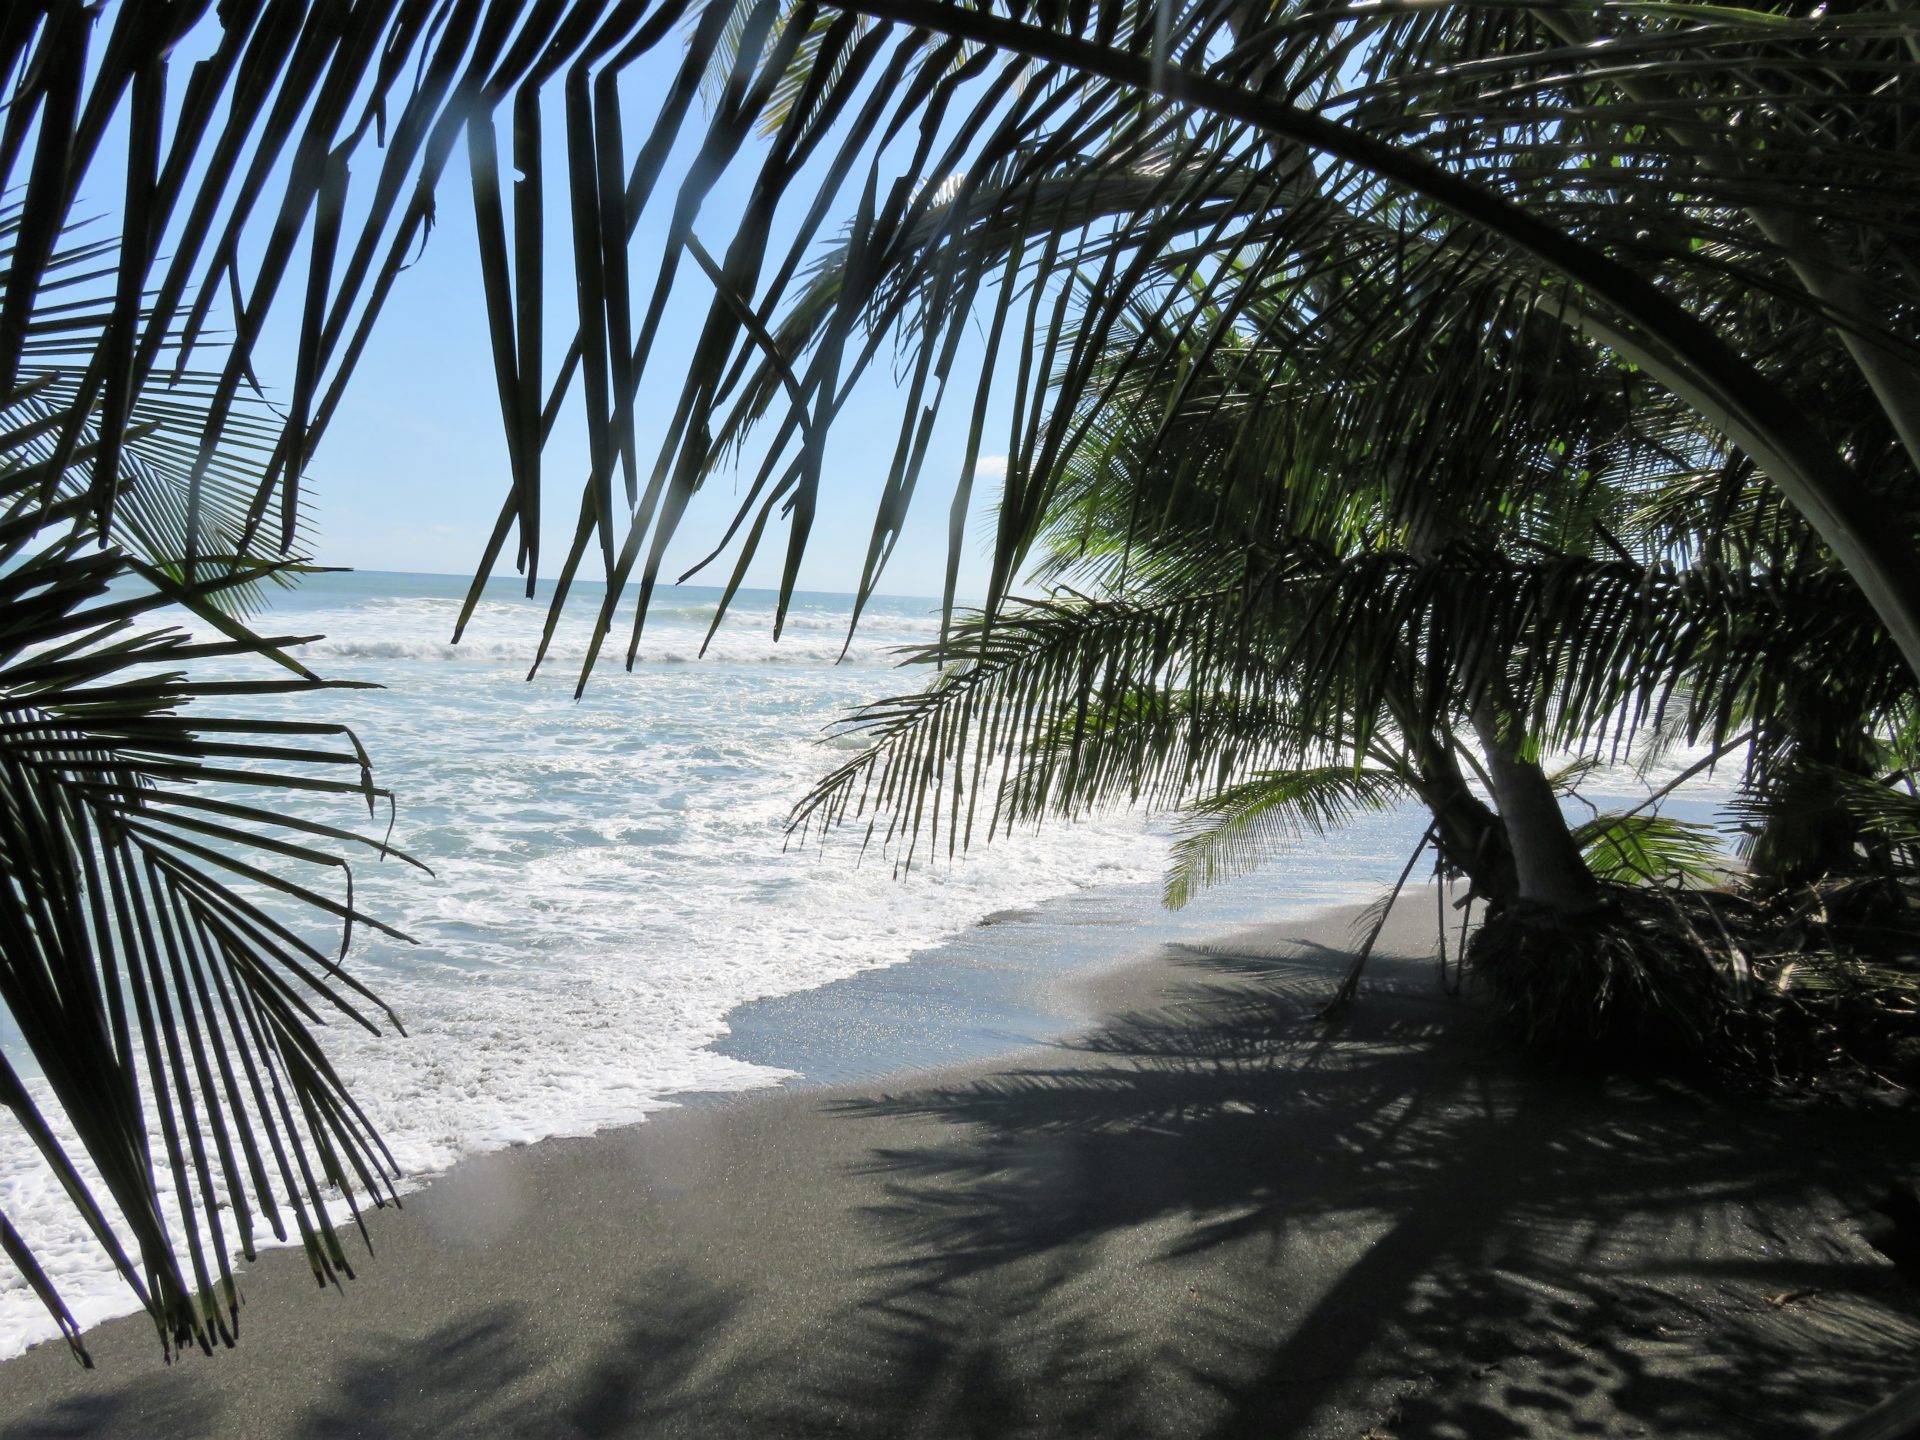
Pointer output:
x,y
152,982
1718,196
1235,829
1650,850
163,885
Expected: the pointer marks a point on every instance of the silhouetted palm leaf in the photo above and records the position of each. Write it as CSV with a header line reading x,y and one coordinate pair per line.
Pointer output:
x,y
160,873
1685,186
150,976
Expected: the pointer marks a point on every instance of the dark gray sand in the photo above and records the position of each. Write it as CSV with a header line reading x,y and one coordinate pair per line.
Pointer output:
x,y
1207,1216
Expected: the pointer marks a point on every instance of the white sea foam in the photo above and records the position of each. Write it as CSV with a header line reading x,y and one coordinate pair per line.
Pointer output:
x,y
610,878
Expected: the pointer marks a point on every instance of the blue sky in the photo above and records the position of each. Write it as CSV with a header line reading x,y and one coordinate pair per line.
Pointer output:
x,y
413,468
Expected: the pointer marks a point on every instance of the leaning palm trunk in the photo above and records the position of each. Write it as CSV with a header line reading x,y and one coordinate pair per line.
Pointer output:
x,y
1471,839
1548,871
1575,967
1561,963
1467,833
1542,864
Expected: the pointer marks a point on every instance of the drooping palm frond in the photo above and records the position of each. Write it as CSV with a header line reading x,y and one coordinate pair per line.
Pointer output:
x,y
1422,239
163,877
1811,818
153,981
1596,646
1234,830
1230,605
52,445
1059,706
150,511
1065,703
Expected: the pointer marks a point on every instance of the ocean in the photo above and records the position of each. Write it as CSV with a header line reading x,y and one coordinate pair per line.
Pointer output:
x,y
611,875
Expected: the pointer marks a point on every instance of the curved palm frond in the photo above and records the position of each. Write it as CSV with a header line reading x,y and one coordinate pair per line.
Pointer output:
x,y
154,980
1064,703
1709,272
1717,195
1650,850
1234,830
1059,706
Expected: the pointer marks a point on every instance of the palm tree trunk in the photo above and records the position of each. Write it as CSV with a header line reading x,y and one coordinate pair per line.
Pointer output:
x,y
1466,831
1471,838
1549,872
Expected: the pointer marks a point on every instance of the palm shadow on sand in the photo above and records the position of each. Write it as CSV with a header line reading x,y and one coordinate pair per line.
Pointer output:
x,y
1219,1218
1388,1224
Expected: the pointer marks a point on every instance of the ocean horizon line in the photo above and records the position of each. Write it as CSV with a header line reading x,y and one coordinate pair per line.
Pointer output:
x,y
518,582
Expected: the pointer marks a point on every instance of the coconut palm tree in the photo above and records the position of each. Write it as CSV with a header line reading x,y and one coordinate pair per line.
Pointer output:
x,y
1102,211
1329,615
1335,605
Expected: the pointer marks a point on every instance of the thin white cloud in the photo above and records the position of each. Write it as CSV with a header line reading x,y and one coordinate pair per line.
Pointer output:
x,y
991,467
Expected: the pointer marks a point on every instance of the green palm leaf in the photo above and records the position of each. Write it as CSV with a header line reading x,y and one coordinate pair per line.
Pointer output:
x,y
1235,829
1651,849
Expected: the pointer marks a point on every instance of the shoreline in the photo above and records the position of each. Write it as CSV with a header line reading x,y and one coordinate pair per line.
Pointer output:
x,y
1013,980
1200,1215
995,984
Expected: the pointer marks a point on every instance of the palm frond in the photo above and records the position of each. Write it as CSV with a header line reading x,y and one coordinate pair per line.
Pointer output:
x,y
1059,706
1719,198
164,877
1234,830
1651,850
164,999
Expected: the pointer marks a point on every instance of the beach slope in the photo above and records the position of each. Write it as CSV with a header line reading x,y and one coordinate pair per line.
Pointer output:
x,y
1206,1215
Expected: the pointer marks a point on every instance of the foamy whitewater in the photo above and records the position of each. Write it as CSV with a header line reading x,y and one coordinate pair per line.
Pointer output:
x,y
610,877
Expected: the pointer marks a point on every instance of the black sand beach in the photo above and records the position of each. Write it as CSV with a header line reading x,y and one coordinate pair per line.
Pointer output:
x,y
1205,1215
